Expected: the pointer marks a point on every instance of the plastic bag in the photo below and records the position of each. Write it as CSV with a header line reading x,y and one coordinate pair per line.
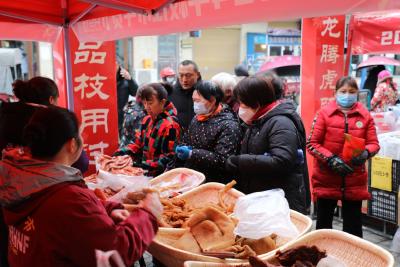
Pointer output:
x,y
262,214
103,258
353,147
179,183
396,242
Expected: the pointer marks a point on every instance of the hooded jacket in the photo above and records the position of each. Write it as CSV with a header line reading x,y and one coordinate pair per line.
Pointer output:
x,y
155,142
269,154
182,100
213,141
54,220
327,139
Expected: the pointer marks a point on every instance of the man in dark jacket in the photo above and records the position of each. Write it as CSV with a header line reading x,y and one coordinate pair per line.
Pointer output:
x,y
181,96
126,86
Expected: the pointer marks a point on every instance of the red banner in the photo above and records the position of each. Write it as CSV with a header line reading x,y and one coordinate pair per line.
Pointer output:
x,y
322,64
95,95
376,33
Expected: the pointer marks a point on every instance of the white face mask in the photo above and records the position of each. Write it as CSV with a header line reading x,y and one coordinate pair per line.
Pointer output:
x,y
170,79
246,114
200,108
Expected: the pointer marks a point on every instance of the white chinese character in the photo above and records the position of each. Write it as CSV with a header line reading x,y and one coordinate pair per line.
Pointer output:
x,y
328,80
81,56
89,45
197,5
82,84
96,86
330,25
329,53
94,118
98,57
96,149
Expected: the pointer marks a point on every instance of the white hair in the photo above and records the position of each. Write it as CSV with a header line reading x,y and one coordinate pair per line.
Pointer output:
x,y
224,80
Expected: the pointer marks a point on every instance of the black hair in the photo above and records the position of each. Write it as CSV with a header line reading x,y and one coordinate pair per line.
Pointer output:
x,y
276,81
255,91
160,90
190,62
37,90
347,80
241,70
49,129
209,89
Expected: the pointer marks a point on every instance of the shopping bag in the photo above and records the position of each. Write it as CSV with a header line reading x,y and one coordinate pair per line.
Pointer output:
x,y
262,214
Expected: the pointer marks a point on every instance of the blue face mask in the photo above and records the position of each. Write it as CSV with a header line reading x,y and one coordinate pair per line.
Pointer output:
x,y
346,100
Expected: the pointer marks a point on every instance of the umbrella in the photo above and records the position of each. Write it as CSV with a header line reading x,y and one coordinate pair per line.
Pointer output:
x,y
377,60
275,62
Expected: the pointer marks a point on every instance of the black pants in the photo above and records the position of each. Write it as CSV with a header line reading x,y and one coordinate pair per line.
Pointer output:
x,y
352,223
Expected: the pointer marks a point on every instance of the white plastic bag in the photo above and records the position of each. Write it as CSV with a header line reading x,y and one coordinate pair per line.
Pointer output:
x,y
263,213
103,258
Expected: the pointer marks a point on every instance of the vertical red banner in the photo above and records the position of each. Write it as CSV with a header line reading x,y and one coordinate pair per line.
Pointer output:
x,y
95,95
59,70
322,64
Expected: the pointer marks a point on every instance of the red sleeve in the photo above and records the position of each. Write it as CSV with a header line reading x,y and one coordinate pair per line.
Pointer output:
x,y
316,138
85,226
371,142
110,206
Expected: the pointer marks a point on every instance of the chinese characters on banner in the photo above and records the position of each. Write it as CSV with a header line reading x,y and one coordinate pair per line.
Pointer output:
x,y
322,63
95,100
330,53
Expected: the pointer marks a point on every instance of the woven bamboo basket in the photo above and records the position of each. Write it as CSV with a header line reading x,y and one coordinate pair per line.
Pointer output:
x,y
351,250
162,248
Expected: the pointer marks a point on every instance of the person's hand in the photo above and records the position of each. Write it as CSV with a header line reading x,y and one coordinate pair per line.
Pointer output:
x,y
119,215
360,159
338,166
125,74
153,204
232,164
183,152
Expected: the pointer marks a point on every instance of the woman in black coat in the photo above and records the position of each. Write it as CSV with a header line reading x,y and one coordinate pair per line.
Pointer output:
x,y
213,135
270,148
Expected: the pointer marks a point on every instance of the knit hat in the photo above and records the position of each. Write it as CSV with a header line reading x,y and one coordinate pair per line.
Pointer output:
x,y
383,75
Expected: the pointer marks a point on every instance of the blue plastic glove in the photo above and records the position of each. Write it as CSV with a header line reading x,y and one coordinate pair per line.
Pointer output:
x,y
300,157
183,152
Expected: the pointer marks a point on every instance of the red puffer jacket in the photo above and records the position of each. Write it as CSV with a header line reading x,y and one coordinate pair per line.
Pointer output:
x,y
327,139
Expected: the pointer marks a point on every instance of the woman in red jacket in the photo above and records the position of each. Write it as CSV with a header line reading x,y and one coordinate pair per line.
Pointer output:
x,y
333,179
53,218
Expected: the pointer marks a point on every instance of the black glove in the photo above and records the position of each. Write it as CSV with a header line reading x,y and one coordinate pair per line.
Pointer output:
x,y
232,164
360,159
337,165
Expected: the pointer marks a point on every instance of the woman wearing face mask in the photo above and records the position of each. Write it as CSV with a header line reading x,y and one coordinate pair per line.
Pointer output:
x,y
385,93
333,179
155,141
269,151
213,135
53,218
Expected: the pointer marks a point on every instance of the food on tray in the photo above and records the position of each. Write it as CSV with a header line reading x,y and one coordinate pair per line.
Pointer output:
x,y
188,242
212,229
136,197
91,178
245,247
177,211
301,256
119,165
105,193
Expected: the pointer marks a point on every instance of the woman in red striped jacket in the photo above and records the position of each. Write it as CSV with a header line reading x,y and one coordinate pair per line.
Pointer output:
x,y
334,179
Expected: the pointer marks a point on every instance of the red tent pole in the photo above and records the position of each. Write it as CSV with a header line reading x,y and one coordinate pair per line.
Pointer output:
x,y
68,68
349,46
